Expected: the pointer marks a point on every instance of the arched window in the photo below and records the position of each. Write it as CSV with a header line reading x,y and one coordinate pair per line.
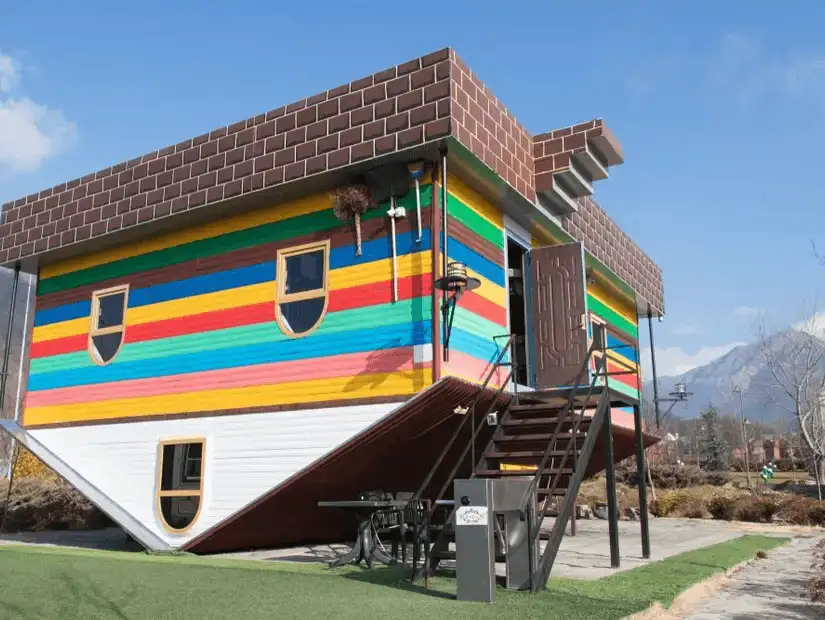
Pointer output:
x,y
302,295
180,482
108,323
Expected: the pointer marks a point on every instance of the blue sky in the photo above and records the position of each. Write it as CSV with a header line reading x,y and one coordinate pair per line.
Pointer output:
x,y
719,110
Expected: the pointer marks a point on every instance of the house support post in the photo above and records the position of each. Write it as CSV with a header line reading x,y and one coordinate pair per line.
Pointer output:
x,y
612,509
4,370
642,480
444,249
653,368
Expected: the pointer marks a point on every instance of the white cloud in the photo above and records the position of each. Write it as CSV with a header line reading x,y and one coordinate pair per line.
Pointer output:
x,y
688,329
30,132
672,361
9,73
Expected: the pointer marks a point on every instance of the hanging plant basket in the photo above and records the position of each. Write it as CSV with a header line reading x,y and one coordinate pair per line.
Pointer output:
x,y
350,203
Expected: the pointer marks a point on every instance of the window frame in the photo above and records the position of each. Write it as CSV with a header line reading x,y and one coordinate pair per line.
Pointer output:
x,y
94,317
282,297
160,493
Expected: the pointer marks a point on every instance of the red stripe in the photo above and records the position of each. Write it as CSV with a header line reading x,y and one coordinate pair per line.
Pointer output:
x,y
343,299
481,306
58,346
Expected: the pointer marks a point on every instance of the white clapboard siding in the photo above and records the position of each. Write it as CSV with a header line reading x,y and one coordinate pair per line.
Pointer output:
x,y
246,456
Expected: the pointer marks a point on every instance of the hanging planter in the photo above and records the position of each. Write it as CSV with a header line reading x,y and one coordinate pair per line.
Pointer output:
x,y
350,203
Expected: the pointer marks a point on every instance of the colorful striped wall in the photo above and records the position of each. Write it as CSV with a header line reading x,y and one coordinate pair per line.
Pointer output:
x,y
475,228
622,336
201,335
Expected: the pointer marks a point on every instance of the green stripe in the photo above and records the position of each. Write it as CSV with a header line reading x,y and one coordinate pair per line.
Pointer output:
x,y
266,233
472,220
612,317
412,310
475,324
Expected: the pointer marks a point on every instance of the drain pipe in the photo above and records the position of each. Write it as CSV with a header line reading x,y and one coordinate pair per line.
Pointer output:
x,y
416,172
395,212
444,249
4,370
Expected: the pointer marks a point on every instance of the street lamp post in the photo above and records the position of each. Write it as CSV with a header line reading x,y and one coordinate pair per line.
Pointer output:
x,y
738,390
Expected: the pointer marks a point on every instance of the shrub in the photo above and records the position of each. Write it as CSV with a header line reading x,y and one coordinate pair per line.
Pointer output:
x,y
756,508
667,476
28,465
722,507
38,504
801,510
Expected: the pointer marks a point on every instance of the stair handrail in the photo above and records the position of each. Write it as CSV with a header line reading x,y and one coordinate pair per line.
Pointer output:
x,y
470,413
566,411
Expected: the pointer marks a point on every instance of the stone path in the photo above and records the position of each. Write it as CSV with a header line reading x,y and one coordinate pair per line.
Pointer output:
x,y
767,589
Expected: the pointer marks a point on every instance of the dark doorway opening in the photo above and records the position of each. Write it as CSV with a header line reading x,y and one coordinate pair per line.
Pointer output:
x,y
516,278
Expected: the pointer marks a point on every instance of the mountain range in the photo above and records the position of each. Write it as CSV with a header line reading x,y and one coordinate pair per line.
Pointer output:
x,y
746,367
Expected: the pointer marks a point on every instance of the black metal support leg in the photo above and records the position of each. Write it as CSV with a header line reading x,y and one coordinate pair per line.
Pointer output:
x,y
356,554
612,511
642,476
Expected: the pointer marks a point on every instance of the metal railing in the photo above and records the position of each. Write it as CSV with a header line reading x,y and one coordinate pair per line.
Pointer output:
x,y
474,427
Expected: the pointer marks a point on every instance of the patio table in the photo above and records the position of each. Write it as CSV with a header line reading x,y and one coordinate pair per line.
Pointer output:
x,y
366,547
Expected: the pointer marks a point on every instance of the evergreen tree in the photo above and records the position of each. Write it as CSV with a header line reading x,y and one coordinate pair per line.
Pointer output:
x,y
714,450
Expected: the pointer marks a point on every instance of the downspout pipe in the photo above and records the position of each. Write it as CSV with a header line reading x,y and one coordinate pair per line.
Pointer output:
x,y
435,236
4,370
444,248
653,368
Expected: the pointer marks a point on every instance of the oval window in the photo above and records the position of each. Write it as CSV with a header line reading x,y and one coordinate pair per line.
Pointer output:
x,y
302,288
108,323
180,487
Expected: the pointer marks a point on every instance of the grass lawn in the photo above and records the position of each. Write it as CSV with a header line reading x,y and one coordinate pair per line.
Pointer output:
x,y
48,583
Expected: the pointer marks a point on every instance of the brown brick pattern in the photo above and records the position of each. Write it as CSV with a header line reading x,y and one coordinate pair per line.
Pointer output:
x,y
389,111
423,100
490,131
611,245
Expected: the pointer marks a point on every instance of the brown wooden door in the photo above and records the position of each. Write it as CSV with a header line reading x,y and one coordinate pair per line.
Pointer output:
x,y
559,310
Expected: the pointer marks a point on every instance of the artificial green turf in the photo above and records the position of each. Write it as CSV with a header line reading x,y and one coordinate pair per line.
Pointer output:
x,y
47,583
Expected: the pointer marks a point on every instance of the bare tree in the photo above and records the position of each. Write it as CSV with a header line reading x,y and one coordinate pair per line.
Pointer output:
x,y
795,359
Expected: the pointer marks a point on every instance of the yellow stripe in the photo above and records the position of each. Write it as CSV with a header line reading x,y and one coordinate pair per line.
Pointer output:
x,y
621,360
216,228
488,290
345,277
474,200
380,270
342,388
619,307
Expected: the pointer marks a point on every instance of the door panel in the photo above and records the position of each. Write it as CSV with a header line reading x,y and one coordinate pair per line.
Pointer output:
x,y
559,309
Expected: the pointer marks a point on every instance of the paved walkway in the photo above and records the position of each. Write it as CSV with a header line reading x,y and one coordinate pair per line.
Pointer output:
x,y
767,589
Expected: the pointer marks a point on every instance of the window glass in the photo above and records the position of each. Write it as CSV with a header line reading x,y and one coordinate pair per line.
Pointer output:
x,y
106,346
110,313
298,317
305,272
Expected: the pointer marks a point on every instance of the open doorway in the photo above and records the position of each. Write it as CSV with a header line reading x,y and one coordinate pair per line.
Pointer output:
x,y
516,278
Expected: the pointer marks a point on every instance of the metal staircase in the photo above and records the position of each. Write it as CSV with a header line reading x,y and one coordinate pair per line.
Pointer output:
x,y
554,433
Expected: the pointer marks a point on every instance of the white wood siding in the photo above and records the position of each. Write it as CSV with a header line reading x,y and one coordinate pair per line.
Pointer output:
x,y
246,456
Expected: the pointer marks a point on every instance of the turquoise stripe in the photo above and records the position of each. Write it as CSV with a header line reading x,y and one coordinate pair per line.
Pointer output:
x,y
353,341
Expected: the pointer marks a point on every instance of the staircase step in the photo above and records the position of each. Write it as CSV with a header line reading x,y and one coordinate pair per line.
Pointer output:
x,y
496,473
523,454
552,421
536,437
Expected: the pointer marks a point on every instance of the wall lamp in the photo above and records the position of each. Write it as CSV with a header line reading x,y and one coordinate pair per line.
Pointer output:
x,y
454,284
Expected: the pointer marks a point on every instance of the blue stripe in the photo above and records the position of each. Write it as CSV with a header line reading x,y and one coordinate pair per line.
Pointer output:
x,y
475,261
353,341
622,348
66,312
485,349
340,257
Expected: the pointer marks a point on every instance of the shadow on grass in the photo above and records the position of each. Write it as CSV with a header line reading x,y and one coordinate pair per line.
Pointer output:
x,y
396,577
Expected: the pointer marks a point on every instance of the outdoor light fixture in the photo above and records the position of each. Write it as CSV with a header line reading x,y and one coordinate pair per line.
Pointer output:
x,y
454,284
678,395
